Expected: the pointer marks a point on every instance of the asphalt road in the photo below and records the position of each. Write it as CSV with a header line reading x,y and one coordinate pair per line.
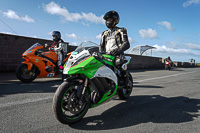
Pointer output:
x,y
161,102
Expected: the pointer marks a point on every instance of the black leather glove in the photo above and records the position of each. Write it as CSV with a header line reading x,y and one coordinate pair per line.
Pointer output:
x,y
115,52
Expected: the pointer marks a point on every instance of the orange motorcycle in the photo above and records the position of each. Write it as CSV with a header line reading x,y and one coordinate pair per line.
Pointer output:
x,y
38,64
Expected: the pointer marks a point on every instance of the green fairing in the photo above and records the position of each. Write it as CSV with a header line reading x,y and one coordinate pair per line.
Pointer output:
x,y
88,67
109,57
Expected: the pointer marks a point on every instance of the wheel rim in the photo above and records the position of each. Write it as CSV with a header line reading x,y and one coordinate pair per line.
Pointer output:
x,y
70,106
26,74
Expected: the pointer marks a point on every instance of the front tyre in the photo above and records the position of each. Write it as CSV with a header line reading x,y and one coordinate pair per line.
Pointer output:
x,y
125,92
24,74
67,107
166,67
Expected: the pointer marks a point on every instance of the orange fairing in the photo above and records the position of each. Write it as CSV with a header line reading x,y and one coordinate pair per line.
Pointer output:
x,y
52,55
29,64
44,61
38,61
32,51
27,59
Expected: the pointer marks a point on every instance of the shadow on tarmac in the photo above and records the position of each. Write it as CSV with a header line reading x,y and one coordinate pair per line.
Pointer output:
x,y
11,85
143,109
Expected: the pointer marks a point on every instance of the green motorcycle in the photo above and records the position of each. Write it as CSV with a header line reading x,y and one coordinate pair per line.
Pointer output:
x,y
93,80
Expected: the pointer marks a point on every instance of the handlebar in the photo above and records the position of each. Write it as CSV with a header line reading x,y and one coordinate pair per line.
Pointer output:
x,y
47,45
100,57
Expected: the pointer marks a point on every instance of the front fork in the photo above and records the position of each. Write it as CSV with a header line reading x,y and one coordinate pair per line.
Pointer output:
x,y
81,88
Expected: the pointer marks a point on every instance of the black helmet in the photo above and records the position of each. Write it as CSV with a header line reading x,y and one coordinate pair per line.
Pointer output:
x,y
114,15
56,36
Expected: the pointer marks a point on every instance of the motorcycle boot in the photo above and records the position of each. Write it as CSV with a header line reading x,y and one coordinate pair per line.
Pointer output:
x,y
48,69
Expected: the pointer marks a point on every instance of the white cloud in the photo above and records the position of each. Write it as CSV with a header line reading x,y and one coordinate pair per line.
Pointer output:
x,y
6,32
167,50
167,25
148,33
49,33
131,40
55,9
34,36
173,44
85,24
74,36
74,43
193,46
190,2
13,15
98,37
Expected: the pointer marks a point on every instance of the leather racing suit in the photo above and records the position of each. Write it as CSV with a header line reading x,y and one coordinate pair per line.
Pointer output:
x,y
112,40
58,48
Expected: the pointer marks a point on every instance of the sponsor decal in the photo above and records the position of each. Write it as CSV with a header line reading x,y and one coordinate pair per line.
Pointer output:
x,y
93,63
29,51
74,53
36,60
50,75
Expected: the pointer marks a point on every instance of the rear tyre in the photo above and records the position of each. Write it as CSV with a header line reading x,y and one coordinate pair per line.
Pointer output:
x,y
24,74
125,92
66,106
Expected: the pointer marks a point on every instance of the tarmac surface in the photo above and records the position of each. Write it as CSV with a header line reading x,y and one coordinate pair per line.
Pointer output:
x,y
161,102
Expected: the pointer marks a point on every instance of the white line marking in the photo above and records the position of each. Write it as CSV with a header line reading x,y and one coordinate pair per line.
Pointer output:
x,y
164,77
24,102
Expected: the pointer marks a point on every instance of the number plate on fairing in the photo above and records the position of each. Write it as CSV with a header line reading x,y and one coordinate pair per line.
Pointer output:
x,y
50,75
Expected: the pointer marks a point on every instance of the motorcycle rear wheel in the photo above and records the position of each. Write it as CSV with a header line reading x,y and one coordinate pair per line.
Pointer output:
x,y
66,106
24,75
125,92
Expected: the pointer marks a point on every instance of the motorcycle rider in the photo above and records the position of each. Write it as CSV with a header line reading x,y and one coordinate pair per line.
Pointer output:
x,y
58,46
114,41
169,60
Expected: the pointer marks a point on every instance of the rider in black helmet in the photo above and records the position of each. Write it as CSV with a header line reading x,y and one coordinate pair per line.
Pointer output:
x,y
57,46
114,41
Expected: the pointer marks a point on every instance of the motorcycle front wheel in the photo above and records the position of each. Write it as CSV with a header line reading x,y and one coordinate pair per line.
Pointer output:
x,y
24,74
67,107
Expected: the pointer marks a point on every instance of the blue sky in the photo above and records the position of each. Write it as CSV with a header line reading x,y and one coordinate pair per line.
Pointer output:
x,y
172,26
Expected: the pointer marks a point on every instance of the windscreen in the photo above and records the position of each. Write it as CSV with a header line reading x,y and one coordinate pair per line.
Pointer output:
x,y
85,46
33,46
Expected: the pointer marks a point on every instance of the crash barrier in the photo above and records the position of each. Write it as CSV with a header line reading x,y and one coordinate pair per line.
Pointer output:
x,y
148,62
184,64
12,47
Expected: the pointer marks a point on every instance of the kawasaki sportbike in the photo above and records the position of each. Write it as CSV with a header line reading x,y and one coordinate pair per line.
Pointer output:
x,y
93,80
